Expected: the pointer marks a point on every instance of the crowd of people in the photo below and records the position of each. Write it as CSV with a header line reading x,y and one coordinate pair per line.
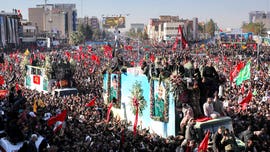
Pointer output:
x,y
85,128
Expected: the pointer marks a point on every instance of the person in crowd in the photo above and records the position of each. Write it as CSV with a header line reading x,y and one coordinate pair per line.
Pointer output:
x,y
107,136
218,105
250,147
208,109
228,140
217,146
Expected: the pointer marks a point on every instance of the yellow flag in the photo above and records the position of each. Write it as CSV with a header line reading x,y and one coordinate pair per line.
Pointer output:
x,y
35,106
41,103
26,53
244,47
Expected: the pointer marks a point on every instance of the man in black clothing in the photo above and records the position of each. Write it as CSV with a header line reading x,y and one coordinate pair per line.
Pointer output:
x,y
218,147
211,79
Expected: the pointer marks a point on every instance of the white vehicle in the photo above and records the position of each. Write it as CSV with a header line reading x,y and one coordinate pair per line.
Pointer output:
x,y
64,92
35,79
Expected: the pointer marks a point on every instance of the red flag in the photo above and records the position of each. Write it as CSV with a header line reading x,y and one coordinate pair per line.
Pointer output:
x,y
60,117
204,144
141,62
107,48
68,55
95,58
58,126
35,56
136,120
242,88
91,70
231,76
41,56
17,87
216,59
109,112
132,63
10,67
3,93
130,48
30,60
36,79
91,103
2,80
16,59
82,56
80,48
203,119
89,48
152,58
175,44
246,100
85,64
236,70
183,40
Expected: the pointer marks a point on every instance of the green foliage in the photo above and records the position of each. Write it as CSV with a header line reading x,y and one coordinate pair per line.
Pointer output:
x,y
86,31
97,34
210,27
48,67
141,34
137,92
256,28
76,38
23,64
200,28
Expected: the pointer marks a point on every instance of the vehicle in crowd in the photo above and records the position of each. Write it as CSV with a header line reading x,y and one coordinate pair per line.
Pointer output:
x,y
36,79
213,125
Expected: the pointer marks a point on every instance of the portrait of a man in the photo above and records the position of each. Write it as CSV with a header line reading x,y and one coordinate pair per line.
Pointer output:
x,y
159,101
114,89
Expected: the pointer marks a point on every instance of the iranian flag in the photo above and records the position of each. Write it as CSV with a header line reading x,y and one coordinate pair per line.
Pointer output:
x,y
36,79
57,121
244,74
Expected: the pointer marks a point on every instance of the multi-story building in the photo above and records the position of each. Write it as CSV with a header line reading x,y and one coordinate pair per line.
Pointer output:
x,y
260,17
166,28
55,20
93,22
137,26
9,29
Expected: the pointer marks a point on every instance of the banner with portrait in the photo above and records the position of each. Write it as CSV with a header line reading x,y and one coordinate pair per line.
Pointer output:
x,y
159,99
114,22
114,89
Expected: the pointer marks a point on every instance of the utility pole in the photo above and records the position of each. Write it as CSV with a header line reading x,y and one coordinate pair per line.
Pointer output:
x,y
45,15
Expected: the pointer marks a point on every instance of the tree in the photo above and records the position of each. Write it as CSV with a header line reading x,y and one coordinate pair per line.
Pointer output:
x,y
86,31
76,38
256,28
140,33
210,27
201,28
96,34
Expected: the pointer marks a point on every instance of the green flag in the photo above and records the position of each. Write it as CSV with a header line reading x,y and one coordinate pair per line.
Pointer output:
x,y
244,74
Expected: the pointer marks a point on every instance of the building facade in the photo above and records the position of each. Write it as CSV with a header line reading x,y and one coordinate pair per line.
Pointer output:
x,y
137,26
9,29
260,17
54,20
166,28
91,21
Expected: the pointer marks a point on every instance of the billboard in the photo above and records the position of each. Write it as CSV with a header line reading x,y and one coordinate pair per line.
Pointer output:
x,y
113,22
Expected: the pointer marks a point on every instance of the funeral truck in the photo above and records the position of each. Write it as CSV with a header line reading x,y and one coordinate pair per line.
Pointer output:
x,y
212,126
36,79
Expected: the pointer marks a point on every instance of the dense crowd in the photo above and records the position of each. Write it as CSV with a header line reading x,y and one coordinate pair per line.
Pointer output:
x,y
85,128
